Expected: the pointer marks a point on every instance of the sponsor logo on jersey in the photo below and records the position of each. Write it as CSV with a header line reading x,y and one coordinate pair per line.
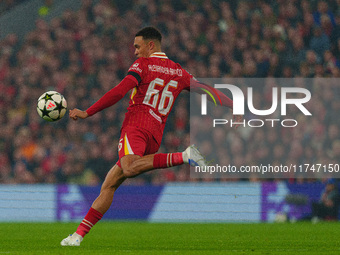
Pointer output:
x,y
135,67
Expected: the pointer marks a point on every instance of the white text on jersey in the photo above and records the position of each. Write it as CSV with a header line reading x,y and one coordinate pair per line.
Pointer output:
x,y
165,70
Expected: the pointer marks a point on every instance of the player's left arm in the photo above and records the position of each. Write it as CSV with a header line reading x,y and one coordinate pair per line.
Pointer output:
x,y
109,99
77,113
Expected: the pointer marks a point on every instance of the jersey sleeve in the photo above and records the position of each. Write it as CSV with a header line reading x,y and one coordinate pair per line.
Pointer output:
x,y
187,79
113,96
136,70
201,88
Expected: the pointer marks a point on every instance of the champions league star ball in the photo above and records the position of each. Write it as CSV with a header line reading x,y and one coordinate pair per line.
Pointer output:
x,y
51,106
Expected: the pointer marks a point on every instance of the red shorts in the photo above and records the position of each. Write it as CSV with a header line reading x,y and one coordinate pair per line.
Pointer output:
x,y
136,141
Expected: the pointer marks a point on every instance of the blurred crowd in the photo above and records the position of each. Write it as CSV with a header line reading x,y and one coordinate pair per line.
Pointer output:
x,y
6,5
84,54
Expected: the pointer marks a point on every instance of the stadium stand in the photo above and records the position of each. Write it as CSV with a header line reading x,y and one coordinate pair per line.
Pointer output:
x,y
8,5
83,54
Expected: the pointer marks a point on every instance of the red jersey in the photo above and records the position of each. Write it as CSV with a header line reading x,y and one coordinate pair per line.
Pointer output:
x,y
160,81
156,82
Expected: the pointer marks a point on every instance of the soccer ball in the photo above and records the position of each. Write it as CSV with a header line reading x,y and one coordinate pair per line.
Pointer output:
x,y
51,106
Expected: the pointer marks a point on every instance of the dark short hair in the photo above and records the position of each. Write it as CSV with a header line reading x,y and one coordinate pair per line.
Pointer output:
x,y
150,33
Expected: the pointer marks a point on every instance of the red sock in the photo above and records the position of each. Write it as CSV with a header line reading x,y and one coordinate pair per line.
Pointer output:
x,y
91,218
163,160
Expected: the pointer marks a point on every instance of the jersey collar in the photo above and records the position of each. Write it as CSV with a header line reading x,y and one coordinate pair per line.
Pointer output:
x,y
158,55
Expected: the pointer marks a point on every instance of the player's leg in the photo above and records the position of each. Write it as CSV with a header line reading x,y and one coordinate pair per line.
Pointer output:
x,y
137,153
113,180
134,165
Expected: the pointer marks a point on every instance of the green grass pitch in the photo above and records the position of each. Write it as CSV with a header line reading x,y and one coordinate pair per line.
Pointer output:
x,y
170,238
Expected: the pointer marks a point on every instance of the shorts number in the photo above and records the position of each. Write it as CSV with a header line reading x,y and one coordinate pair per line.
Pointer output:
x,y
120,144
152,95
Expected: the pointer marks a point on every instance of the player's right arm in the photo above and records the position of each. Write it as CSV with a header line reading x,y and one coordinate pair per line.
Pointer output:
x,y
194,85
202,88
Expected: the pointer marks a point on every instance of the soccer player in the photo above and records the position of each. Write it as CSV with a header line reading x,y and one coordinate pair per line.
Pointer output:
x,y
156,81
